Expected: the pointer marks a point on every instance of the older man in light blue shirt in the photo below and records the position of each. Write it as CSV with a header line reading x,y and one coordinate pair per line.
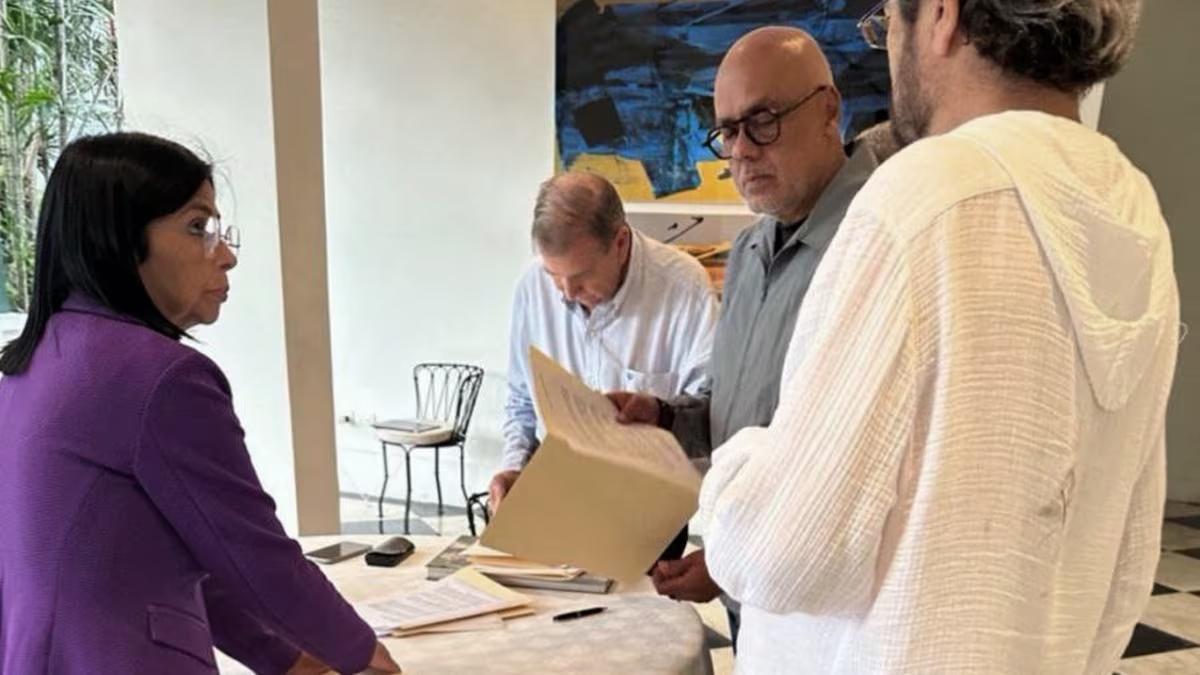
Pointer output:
x,y
620,310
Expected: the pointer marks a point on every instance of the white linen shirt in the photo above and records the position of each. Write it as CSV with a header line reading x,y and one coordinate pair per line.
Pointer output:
x,y
966,471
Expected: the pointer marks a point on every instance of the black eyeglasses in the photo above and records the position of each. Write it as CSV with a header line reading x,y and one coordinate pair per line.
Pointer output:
x,y
762,127
874,26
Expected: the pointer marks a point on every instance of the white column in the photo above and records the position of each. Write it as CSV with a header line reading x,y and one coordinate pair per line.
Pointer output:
x,y
300,180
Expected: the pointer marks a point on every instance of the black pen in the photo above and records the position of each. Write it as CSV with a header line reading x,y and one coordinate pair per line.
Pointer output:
x,y
579,613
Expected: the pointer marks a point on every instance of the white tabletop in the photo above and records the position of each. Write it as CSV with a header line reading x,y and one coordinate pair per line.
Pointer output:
x,y
639,633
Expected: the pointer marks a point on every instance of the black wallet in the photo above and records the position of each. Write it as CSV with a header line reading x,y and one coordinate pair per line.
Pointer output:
x,y
390,553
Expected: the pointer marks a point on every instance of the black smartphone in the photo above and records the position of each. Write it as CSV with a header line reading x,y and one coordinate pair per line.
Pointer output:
x,y
337,552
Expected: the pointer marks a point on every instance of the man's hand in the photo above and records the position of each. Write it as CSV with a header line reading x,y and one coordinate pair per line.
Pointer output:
x,y
501,484
308,664
685,579
634,408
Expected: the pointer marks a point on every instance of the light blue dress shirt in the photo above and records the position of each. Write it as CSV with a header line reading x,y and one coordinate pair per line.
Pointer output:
x,y
655,336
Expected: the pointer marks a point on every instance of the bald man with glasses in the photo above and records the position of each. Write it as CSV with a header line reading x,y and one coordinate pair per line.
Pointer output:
x,y
778,114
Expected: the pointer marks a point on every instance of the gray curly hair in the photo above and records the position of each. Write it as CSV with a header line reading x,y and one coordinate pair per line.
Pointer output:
x,y
1067,44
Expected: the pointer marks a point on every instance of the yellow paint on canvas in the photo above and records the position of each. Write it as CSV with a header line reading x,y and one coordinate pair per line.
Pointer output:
x,y
630,178
713,189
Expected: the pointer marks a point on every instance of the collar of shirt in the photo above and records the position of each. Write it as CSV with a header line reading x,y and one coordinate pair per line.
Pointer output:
x,y
81,303
782,234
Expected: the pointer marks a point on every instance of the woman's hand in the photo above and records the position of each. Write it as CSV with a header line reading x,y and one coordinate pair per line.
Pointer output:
x,y
308,664
382,661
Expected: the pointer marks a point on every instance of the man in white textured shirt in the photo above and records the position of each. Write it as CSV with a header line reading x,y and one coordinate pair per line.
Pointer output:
x,y
620,310
966,469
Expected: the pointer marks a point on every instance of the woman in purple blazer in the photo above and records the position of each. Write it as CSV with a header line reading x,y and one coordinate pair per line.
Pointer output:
x,y
134,533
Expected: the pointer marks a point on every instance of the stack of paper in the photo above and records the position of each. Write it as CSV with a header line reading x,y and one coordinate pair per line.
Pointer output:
x,y
490,561
600,495
463,601
454,558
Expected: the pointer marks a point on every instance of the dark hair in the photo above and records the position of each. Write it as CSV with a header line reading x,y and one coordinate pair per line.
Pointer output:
x,y
1067,44
102,194
573,202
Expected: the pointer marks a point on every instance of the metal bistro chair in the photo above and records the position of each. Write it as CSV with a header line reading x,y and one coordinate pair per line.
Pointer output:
x,y
446,395
477,504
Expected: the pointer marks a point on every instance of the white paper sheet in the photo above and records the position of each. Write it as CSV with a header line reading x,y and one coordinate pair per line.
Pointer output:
x,y
466,593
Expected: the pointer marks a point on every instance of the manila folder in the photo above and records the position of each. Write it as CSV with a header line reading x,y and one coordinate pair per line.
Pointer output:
x,y
599,495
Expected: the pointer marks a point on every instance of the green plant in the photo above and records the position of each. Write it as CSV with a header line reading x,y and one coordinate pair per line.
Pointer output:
x,y
58,80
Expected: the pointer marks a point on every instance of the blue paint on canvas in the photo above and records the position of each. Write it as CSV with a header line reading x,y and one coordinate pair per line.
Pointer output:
x,y
636,80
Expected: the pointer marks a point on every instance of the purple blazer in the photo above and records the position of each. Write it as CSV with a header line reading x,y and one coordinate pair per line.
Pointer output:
x,y
134,534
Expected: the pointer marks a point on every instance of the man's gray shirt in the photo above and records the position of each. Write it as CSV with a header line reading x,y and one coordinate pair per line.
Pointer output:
x,y
763,291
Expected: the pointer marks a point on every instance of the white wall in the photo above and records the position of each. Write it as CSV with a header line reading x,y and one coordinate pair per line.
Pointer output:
x,y
1091,106
1150,110
439,127
198,72
10,326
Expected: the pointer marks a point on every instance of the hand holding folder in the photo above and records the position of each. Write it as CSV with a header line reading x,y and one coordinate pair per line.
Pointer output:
x,y
597,494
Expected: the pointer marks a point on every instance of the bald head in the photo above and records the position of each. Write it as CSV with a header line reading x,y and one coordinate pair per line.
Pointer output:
x,y
575,203
778,115
774,61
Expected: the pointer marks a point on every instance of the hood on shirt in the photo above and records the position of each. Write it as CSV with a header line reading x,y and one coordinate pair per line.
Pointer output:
x,y
1102,231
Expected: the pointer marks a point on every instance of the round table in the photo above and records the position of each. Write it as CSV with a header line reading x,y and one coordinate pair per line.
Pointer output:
x,y
639,632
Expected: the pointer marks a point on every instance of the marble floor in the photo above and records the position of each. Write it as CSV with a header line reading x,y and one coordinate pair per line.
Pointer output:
x,y
360,516
1168,638
1167,641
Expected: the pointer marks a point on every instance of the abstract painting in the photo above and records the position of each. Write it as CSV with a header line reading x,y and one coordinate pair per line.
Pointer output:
x,y
634,85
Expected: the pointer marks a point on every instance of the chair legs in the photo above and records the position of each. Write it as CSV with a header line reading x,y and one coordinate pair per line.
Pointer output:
x,y
408,487
462,474
383,490
437,475
476,501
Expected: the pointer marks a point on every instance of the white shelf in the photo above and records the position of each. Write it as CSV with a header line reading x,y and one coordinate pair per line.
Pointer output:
x,y
688,209
716,227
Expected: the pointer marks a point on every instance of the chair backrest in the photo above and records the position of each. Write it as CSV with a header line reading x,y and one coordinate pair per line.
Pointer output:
x,y
477,504
447,392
